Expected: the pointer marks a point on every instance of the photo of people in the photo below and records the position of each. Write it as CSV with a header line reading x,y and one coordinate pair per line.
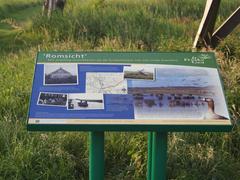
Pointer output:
x,y
52,99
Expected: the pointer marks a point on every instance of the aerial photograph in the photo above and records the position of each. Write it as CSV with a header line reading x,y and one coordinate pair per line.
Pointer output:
x,y
179,93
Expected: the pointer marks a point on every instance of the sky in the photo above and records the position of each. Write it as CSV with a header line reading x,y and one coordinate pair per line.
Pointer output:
x,y
180,76
142,68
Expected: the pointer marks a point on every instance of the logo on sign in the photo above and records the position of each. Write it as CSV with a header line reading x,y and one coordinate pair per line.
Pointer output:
x,y
198,59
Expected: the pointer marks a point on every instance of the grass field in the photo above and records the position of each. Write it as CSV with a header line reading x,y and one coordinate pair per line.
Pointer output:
x,y
121,25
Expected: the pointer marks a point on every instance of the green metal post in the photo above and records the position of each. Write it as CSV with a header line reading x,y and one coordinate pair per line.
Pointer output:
x,y
149,163
96,156
159,155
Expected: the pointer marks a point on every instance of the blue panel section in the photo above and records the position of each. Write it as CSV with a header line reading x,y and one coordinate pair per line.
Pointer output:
x,y
116,106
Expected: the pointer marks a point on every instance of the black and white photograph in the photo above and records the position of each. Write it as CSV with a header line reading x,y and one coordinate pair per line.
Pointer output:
x,y
60,74
52,99
141,72
85,101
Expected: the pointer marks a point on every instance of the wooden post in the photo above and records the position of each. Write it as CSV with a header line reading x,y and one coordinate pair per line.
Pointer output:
x,y
226,28
50,7
205,35
54,5
207,24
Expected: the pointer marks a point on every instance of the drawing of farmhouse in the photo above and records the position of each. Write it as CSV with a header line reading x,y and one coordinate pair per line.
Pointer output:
x,y
60,76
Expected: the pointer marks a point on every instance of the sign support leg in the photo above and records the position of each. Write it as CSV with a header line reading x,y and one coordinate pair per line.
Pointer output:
x,y
149,163
96,155
159,155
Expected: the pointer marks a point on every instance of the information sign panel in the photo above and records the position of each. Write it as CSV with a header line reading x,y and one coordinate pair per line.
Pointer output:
x,y
100,91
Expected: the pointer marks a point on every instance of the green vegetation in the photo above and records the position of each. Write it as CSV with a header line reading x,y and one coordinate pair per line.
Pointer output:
x,y
15,18
163,25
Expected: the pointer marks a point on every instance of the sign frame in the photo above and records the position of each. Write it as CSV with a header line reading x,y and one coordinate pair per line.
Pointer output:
x,y
186,59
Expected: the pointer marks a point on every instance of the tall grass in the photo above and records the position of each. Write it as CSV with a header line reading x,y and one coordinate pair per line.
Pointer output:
x,y
148,25
15,19
11,6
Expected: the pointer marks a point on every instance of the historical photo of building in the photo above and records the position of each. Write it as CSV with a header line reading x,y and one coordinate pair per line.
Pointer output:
x,y
52,99
85,101
60,74
141,72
